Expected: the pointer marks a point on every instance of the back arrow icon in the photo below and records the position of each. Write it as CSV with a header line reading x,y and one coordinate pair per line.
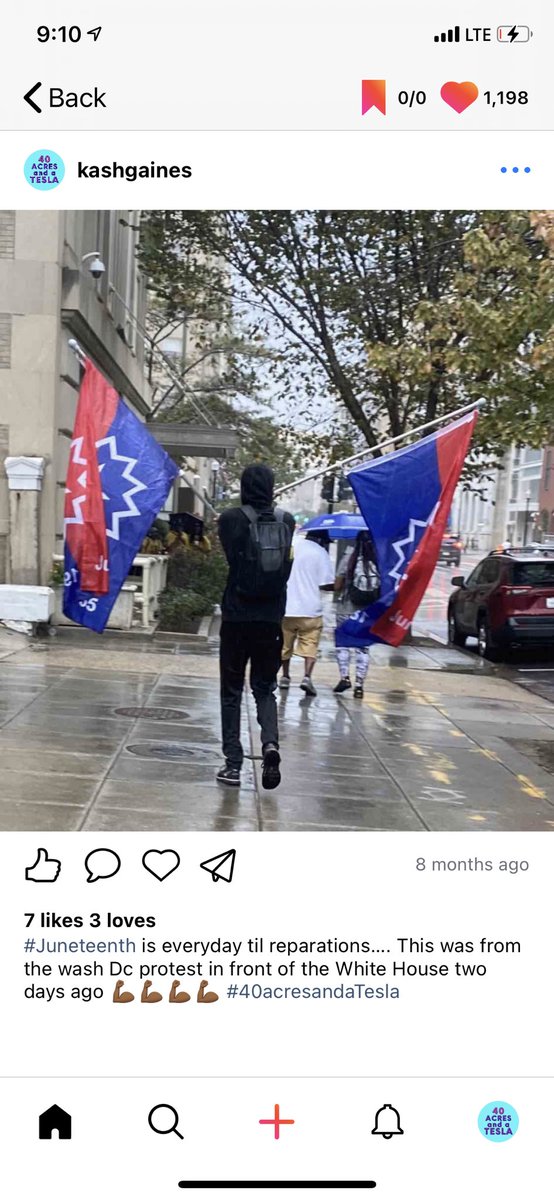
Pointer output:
x,y
30,93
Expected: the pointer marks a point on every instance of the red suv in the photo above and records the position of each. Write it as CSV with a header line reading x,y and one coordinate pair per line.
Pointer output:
x,y
507,601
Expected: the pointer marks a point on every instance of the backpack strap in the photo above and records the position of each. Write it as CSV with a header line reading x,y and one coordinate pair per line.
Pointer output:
x,y
253,515
250,513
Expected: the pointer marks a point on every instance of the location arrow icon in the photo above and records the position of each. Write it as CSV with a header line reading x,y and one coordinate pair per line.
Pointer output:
x,y
374,95
30,93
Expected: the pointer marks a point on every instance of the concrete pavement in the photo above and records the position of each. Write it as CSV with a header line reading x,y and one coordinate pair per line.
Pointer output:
x,y
114,734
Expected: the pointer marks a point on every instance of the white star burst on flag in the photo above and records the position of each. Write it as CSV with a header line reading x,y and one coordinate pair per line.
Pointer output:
x,y
398,573
137,486
77,501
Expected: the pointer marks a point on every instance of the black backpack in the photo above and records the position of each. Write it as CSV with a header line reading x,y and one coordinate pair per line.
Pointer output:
x,y
264,563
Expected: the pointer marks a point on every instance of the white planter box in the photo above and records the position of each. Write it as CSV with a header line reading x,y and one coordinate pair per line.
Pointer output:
x,y
121,616
21,603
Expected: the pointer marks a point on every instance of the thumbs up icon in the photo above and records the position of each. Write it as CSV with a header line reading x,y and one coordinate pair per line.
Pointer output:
x,y
44,869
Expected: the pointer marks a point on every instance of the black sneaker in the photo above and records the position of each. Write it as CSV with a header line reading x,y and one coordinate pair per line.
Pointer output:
x,y
230,776
271,775
342,686
359,691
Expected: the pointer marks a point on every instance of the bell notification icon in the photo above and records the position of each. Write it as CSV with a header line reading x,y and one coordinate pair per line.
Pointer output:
x,y
387,1121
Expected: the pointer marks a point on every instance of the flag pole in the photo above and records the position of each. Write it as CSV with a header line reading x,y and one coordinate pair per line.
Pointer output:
x,y
369,450
78,351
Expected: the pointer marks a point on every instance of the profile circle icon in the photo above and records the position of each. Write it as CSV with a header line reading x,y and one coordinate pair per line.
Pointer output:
x,y
44,170
498,1121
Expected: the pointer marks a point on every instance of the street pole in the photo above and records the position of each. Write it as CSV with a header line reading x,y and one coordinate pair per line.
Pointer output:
x,y
527,503
330,503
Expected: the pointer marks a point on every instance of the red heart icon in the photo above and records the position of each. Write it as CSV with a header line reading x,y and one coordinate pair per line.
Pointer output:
x,y
459,95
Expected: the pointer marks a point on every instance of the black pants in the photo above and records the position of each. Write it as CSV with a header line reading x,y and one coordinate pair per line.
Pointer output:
x,y
259,642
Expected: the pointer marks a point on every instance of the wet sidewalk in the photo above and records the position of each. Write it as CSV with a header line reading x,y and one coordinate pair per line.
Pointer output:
x,y
126,737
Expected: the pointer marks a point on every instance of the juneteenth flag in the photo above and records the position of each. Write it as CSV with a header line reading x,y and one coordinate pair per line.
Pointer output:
x,y
405,498
117,481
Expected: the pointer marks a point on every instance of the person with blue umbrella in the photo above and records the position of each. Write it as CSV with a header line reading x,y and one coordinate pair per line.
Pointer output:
x,y
357,585
339,526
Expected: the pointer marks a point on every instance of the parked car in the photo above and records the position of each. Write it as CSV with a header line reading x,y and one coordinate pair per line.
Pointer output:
x,y
451,551
507,601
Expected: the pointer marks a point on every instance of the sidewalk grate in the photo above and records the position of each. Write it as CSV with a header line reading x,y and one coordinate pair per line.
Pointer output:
x,y
170,751
153,714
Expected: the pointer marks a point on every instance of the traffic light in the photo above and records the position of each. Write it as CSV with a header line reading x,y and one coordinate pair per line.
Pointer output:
x,y
345,491
328,487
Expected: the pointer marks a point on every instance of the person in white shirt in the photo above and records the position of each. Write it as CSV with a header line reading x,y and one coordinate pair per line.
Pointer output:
x,y
312,574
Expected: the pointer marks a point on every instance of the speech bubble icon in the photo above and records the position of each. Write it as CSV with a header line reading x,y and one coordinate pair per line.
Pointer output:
x,y
101,864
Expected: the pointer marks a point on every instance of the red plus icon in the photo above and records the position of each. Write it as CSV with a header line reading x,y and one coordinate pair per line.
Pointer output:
x,y
277,1121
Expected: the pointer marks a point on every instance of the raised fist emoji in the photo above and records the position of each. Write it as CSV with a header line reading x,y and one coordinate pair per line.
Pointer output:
x,y
45,869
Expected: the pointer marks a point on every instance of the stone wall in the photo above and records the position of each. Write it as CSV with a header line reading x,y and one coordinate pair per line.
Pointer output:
x,y
4,522
7,251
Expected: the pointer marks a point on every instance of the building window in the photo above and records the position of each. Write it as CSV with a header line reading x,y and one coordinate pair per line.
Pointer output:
x,y
5,340
7,233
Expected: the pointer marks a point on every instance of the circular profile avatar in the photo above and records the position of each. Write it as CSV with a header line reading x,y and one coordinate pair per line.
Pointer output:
x,y
44,170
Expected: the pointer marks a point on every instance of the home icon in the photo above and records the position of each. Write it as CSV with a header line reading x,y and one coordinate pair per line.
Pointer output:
x,y
54,1120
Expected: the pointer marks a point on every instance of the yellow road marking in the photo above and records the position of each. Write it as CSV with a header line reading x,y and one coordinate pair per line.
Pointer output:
x,y
488,754
529,788
440,776
415,749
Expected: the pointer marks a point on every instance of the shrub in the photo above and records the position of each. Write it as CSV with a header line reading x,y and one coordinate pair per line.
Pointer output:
x,y
179,608
204,572
56,577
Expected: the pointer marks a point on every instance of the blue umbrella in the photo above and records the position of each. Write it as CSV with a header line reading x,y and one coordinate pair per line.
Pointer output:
x,y
337,525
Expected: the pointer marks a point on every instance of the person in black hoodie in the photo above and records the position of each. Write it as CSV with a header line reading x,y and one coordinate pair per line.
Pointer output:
x,y
256,539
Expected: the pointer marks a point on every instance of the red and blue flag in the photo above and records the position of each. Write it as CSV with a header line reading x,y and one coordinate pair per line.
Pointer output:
x,y
118,479
405,498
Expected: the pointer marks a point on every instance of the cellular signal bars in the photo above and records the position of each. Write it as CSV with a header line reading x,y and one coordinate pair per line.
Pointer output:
x,y
451,35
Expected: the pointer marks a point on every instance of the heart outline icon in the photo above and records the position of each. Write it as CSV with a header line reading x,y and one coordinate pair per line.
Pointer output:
x,y
459,96
156,856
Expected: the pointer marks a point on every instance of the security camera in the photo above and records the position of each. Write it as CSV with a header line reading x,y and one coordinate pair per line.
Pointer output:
x,y
95,264
97,268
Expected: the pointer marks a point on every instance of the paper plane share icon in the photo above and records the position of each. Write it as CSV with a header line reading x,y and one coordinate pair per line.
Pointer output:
x,y
221,867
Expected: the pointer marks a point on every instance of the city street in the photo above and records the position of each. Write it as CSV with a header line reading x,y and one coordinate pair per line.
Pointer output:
x,y
122,733
431,618
532,669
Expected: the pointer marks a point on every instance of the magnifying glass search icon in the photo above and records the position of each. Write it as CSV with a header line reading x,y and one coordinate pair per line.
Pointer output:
x,y
159,1116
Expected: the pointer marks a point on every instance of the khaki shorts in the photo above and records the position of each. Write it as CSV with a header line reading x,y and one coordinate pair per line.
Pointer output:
x,y
305,632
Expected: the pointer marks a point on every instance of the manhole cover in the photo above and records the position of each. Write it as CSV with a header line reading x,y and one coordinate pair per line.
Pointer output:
x,y
170,751
153,714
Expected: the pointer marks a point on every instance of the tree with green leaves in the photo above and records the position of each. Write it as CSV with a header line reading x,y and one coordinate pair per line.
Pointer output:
x,y
386,319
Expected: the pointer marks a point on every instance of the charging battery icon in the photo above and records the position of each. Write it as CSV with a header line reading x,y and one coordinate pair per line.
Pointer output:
x,y
513,33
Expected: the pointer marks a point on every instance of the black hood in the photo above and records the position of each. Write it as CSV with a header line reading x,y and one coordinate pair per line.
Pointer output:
x,y
256,487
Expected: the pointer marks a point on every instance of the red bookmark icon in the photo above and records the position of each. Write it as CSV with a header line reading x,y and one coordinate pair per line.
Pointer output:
x,y
374,95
